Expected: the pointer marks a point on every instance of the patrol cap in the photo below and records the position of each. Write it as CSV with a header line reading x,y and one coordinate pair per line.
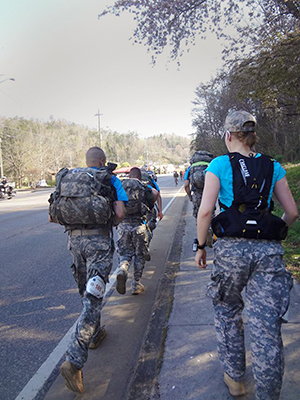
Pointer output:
x,y
236,120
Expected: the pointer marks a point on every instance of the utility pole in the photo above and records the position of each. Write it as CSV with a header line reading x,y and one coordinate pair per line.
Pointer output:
x,y
146,152
99,131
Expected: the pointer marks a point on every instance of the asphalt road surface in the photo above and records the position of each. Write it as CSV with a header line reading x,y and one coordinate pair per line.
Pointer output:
x,y
39,302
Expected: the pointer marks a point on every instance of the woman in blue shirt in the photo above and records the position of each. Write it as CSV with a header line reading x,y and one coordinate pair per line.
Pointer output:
x,y
254,264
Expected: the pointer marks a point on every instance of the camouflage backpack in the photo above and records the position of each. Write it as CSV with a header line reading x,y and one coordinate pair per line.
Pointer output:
x,y
137,197
201,155
146,178
199,162
83,196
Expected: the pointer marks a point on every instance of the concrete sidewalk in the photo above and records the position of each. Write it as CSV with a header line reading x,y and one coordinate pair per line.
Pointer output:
x,y
190,368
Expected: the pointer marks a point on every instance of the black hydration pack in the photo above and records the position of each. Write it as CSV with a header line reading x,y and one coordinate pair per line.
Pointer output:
x,y
249,215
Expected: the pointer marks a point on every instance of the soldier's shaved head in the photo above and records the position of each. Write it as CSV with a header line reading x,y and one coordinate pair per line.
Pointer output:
x,y
95,157
135,173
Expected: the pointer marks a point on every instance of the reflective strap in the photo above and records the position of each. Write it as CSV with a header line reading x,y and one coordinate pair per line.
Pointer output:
x,y
199,163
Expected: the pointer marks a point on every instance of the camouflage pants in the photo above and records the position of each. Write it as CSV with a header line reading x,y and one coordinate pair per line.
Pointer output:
x,y
151,223
92,255
151,219
132,246
196,199
258,267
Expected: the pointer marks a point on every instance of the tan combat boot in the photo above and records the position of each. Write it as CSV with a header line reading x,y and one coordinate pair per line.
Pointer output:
x,y
137,287
95,342
235,388
73,376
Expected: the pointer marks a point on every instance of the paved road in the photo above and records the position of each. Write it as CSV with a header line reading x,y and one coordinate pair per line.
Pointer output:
x,y
38,299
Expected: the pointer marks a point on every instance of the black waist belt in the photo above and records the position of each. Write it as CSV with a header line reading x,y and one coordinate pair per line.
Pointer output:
x,y
86,232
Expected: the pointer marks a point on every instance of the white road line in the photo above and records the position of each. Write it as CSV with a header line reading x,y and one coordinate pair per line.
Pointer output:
x,y
170,202
33,387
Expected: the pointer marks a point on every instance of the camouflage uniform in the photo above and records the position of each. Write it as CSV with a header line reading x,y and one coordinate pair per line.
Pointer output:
x,y
196,199
133,246
133,232
151,219
151,224
92,255
257,266
83,203
199,157
151,215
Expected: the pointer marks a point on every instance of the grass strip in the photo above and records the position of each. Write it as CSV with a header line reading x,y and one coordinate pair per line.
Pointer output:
x,y
292,243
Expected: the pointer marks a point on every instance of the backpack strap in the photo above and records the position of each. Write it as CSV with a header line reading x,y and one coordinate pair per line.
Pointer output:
x,y
61,173
199,163
103,185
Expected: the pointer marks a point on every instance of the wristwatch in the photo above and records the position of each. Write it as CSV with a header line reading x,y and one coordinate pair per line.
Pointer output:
x,y
201,247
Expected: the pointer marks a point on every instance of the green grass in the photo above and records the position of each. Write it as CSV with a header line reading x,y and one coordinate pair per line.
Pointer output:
x,y
292,243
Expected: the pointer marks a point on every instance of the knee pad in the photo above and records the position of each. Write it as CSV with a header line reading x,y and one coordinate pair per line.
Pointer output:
x,y
96,287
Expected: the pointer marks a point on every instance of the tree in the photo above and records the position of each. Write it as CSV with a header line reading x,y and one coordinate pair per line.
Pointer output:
x,y
178,22
271,81
268,86
210,109
14,149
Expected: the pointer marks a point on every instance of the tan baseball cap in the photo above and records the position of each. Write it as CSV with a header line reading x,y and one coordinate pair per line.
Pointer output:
x,y
236,120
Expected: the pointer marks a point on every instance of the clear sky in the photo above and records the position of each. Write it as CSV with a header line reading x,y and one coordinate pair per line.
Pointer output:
x,y
68,64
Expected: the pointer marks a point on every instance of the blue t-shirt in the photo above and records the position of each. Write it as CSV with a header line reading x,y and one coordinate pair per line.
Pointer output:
x,y
221,167
153,185
187,173
121,194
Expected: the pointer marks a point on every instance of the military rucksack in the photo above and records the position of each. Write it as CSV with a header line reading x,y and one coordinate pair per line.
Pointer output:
x,y
197,174
138,204
146,178
249,215
83,196
201,155
199,162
